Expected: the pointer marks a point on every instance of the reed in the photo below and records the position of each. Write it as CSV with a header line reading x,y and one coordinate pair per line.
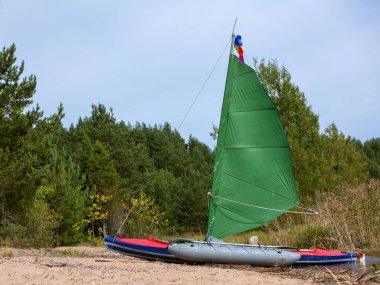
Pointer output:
x,y
348,220
353,216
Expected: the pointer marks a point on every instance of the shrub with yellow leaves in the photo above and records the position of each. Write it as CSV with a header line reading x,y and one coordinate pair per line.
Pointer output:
x,y
145,219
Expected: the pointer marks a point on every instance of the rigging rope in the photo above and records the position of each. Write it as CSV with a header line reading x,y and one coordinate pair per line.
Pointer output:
x,y
204,84
305,212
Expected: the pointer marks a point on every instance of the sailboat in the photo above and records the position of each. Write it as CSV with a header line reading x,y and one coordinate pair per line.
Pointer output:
x,y
253,178
253,181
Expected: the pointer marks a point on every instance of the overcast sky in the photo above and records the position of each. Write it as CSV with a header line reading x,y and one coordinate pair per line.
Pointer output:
x,y
148,59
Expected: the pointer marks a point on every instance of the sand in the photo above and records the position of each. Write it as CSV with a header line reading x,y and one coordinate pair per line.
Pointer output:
x,y
93,265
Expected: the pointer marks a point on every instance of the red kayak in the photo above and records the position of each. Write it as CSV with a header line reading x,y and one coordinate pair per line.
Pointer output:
x,y
149,248
314,256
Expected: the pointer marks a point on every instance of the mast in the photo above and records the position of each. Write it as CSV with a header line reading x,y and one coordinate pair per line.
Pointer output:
x,y
233,38
219,147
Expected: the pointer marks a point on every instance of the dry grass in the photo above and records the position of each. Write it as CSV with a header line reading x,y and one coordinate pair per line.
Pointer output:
x,y
72,252
7,253
347,221
353,216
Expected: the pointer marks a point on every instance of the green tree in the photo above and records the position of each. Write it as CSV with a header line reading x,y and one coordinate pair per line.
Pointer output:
x,y
145,216
197,183
19,160
342,162
40,221
59,172
102,180
67,201
370,151
131,159
102,126
15,96
167,148
166,192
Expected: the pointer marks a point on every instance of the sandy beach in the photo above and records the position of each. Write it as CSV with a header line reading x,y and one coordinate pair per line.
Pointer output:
x,y
93,265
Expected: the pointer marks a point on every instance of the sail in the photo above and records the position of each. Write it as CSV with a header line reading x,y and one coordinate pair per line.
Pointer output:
x,y
253,177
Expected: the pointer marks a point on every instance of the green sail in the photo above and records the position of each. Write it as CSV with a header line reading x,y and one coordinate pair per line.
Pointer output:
x,y
253,177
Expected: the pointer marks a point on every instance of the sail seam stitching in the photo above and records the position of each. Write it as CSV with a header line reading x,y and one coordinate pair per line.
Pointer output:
x,y
243,147
239,111
311,212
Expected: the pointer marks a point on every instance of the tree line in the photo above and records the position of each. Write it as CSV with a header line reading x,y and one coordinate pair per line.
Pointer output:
x,y
61,185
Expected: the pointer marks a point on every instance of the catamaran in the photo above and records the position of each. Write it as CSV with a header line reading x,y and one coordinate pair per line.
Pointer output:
x,y
253,182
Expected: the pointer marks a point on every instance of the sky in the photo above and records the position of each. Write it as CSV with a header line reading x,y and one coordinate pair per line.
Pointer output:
x,y
147,60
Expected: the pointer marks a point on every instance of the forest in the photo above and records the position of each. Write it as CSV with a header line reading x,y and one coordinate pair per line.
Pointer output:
x,y
63,186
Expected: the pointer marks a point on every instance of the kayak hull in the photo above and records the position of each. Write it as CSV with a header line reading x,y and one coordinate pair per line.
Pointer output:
x,y
150,248
233,253
322,256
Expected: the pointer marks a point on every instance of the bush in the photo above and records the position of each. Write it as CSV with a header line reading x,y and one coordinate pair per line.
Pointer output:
x,y
145,218
14,234
40,223
36,228
317,236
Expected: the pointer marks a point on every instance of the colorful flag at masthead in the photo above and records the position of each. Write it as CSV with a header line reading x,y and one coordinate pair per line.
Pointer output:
x,y
239,47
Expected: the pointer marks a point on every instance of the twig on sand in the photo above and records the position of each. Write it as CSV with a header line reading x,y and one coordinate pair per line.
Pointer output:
x,y
104,260
361,276
54,264
332,274
374,278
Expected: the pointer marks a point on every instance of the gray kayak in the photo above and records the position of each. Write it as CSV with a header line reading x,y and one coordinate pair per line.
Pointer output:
x,y
214,252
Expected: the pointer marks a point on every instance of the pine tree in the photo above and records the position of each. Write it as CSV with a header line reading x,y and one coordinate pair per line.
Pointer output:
x,y
18,162
342,162
15,96
102,181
